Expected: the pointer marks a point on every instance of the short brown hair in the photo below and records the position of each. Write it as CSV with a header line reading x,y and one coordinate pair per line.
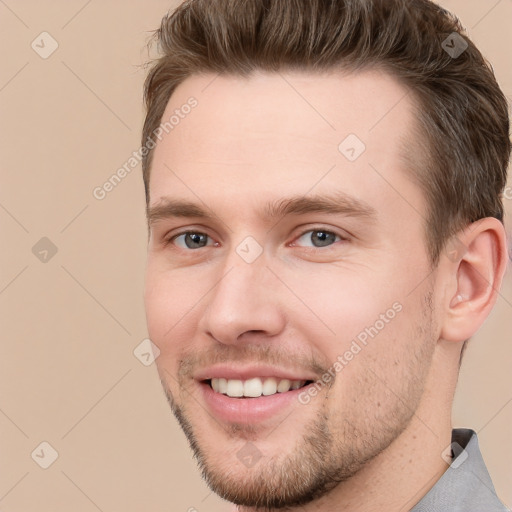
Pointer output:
x,y
463,123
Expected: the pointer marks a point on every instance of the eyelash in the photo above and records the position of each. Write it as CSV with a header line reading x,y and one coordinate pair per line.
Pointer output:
x,y
169,240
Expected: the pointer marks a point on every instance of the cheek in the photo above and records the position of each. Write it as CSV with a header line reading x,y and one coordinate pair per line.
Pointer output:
x,y
162,319
343,305
173,302
392,349
380,387
378,332
169,301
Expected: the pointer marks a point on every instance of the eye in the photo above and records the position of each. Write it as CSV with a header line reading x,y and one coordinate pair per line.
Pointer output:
x,y
191,240
320,237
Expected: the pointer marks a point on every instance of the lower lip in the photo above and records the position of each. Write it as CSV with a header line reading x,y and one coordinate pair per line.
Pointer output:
x,y
249,410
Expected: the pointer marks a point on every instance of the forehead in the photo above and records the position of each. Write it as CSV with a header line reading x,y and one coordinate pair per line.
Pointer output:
x,y
284,133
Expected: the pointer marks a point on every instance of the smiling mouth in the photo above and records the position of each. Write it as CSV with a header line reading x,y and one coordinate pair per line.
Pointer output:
x,y
255,387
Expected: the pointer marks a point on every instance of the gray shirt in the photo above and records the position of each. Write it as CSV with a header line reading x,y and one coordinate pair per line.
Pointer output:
x,y
466,485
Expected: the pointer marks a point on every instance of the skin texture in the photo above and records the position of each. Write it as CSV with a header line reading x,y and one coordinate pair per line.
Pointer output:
x,y
372,438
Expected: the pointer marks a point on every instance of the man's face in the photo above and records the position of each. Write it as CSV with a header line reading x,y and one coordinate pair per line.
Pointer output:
x,y
342,298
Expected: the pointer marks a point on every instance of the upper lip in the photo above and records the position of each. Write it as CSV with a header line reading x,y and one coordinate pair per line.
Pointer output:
x,y
231,371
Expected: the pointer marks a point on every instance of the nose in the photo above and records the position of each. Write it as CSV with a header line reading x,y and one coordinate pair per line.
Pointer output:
x,y
244,302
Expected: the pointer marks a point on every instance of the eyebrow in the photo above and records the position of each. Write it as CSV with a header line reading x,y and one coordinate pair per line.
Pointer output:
x,y
338,203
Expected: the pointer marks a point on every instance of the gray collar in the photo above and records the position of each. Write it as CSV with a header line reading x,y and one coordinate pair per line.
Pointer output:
x,y
466,485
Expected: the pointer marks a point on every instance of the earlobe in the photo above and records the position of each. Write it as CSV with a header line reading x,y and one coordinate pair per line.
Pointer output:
x,y
476,275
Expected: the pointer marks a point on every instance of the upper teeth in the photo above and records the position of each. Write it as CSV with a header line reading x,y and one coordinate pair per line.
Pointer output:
x,y
254,387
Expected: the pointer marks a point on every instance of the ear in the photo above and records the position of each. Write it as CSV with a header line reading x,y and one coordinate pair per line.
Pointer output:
x,y
476,260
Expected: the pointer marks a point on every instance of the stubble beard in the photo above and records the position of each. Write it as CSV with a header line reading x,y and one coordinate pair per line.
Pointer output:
x,y
322,458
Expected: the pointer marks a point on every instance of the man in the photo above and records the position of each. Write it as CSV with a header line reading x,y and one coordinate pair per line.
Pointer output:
x,y
323,183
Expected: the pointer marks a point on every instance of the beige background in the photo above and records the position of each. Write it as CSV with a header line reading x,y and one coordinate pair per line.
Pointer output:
x,y
68,375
